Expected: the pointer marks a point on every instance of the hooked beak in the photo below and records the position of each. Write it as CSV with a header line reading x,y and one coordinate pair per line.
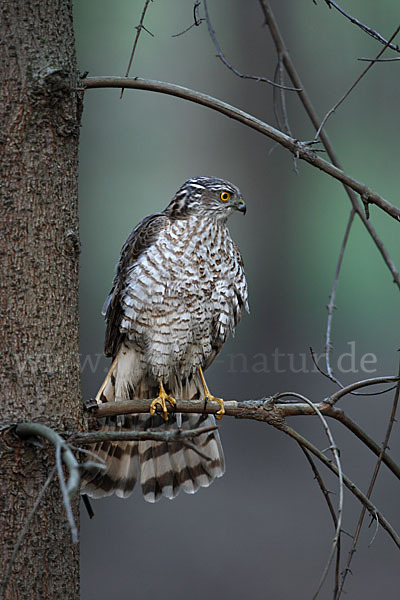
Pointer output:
x,y
241,206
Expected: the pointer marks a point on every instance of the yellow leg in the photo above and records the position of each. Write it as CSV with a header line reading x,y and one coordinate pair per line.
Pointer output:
x,y
160,401
208,396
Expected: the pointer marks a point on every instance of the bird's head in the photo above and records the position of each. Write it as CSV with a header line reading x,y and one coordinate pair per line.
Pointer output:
x,y
208,197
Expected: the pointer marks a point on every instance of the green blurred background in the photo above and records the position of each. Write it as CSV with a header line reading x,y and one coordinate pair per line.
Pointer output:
x,y
262,530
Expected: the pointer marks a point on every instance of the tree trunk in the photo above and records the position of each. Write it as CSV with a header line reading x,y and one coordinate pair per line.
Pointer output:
x,y
39,251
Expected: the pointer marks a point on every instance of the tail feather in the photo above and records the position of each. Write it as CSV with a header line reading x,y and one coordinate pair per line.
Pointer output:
x,y
164,467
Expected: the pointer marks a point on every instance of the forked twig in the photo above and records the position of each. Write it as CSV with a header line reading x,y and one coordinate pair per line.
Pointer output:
x,y
351,88
138,32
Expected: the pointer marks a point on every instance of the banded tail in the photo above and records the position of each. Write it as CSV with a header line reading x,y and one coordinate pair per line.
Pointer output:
x,y
162,467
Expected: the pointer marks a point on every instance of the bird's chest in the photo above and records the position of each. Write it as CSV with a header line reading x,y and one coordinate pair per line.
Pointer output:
x,y
198,260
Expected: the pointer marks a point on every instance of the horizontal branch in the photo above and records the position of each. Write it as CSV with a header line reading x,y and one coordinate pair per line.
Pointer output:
x,y
300,149
267,410
173,435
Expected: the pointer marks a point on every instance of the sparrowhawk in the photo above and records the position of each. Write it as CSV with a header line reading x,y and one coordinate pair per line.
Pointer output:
x,y
179,289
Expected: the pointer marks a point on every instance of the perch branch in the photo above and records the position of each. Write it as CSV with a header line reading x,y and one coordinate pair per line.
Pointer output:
x,y
267,410
299,149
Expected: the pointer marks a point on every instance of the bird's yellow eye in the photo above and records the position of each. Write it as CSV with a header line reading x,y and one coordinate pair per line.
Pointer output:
x,y
224,196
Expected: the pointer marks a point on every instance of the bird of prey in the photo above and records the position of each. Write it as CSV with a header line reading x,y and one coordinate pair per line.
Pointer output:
x,y
179,289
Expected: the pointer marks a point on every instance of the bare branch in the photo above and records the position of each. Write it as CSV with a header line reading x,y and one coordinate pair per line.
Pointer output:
x,y
196,20
299,149
138,32
222,57
331,305
346,94
360,384
335,453
309,108
25,430
371,485
173,435
325,493
347,482
379,60
345,420
368,30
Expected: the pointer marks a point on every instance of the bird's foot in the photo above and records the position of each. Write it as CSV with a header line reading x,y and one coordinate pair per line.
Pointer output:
x,y
210,398
161,400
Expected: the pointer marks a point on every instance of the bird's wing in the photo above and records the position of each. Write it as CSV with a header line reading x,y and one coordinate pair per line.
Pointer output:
x,y
142,237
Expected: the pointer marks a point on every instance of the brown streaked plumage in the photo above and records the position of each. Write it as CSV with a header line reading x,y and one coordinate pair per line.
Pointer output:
x,y
179,289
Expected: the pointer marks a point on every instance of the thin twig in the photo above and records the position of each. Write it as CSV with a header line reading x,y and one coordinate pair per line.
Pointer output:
x,y
347,482
335,380
314,118
325,493
380,60
351,88
331,306
223,58
359,384
138,32
371,485
345,420
4,583
196,20
377,36
335,452
300,149
195,449
65,495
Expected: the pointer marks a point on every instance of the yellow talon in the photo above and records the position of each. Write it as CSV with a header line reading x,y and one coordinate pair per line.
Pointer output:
x,y
160,401
221,411
208,396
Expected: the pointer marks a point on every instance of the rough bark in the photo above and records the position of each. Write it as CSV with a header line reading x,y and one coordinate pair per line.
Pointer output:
x,y
39,251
